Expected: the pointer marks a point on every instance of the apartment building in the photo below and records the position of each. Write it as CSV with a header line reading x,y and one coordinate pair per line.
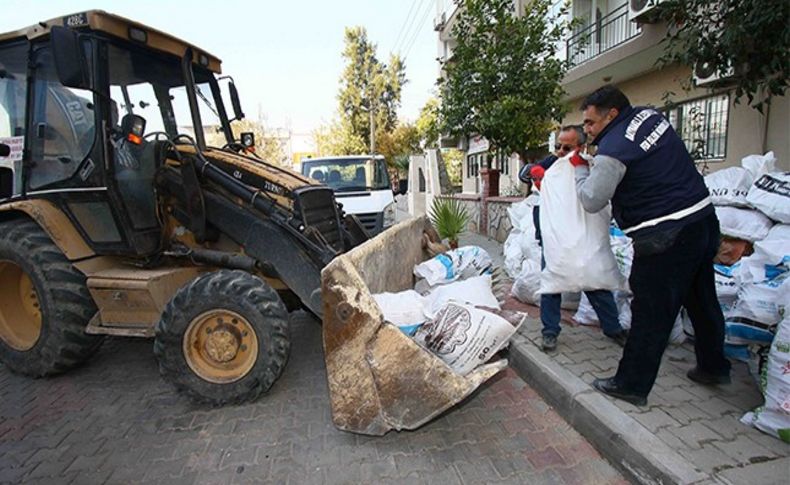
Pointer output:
x,y
618,42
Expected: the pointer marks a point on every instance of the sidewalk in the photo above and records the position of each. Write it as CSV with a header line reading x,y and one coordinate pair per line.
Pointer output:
x,y
688,433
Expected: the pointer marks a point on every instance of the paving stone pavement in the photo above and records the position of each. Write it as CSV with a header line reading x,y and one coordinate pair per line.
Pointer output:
x,y
115,421
700,422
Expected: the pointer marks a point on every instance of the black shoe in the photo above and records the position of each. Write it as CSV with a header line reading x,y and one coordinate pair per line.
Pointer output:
x,y
701,377
619,337
609,387
549,343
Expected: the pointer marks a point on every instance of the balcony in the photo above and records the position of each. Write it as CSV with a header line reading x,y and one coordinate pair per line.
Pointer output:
x,y
608,32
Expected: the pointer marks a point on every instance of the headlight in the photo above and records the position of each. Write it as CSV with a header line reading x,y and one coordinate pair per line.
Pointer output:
x,y
389,215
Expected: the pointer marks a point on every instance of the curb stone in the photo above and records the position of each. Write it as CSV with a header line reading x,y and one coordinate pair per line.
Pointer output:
x,y
628,445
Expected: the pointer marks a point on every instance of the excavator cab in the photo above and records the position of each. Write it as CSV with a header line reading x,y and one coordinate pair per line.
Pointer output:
x,y
127,207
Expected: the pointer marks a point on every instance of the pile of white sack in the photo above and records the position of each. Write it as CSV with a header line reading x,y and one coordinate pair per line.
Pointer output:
x,y
753,279
450,310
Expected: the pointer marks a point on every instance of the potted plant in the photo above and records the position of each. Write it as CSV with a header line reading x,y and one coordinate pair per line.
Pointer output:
x,y
450,219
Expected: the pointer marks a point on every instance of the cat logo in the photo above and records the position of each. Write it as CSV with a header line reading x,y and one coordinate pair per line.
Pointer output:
x,y
237,174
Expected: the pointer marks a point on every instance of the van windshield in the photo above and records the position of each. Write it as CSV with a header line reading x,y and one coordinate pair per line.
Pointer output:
x,y
349,174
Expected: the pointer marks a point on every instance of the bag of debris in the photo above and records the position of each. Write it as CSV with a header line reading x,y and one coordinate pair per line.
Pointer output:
x,y
464,337
405,309
770,194
475,291
512,252
726,285
455,264
520,214
747,224
763,281
729,186
586,315
773,417
759,165
576,243
526,286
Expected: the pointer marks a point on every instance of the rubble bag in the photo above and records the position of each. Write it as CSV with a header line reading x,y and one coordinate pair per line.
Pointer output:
x,y
773,417
770,194
729,186
465,337
576,245
759,165
747,224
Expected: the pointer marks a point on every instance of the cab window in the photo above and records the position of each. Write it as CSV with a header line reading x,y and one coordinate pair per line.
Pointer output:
x,y
62,125
13,81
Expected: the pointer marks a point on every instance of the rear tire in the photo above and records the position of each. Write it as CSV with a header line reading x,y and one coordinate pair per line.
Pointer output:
x,y
223,338
44,304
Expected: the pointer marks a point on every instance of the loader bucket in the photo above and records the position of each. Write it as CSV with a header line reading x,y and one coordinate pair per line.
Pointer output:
x,y
379,378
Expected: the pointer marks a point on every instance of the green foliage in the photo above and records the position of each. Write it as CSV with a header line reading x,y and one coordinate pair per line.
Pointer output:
x,y
368,84
503,79
449,217
404,140
337,138
453,160
428,123
750,36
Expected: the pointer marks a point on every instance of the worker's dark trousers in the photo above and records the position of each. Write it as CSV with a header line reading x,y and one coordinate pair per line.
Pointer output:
x,y
668,271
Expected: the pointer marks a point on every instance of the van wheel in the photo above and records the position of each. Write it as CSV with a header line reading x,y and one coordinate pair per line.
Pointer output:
x,y
44,304
223,338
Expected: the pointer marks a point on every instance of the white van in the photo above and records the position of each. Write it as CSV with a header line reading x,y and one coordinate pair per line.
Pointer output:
x,y
361,183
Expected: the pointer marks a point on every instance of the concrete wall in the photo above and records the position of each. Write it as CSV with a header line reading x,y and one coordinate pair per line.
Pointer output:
x,y
745,127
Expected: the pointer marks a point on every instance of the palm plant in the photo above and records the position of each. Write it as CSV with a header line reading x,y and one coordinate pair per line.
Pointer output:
x,y
450,219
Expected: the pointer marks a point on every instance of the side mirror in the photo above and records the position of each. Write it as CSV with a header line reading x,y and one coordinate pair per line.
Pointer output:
x,y
234,100
5,150
70,63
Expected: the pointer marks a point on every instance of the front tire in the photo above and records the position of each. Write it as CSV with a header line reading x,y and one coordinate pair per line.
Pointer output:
x,y
223,338
44,304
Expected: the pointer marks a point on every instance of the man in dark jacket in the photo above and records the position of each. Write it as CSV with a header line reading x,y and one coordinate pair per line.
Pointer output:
x,y
659,200
571,138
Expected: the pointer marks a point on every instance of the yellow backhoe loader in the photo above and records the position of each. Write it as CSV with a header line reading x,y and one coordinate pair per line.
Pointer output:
x,y
118,218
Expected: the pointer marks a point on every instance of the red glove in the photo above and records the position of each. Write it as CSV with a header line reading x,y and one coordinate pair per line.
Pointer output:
x,y
536,173
577,160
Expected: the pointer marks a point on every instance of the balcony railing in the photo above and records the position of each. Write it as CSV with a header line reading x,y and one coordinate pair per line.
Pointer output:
x,y
606,33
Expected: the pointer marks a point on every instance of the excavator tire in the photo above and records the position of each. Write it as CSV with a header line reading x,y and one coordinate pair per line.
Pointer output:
x,y
223,338
44,304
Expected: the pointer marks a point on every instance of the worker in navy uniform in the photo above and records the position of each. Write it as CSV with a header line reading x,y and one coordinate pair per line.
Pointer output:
x,y
659,200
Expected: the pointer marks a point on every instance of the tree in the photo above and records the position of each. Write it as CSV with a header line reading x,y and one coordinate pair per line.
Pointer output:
x,y
403,140
428,123
503,78
337,138
747,41
267,146
368,86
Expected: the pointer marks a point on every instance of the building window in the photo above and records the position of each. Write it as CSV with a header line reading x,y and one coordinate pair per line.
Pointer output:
x,y
702,124
473,165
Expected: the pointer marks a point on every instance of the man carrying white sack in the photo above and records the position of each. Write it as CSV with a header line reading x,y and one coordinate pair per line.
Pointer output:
x,y
570,138
660,201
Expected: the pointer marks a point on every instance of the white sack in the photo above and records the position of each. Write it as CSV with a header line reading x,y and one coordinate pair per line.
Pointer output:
x,y
405,309
512,252
759,165
749,225
763,285
779,232
575,243
475,291
526,287
729,186
773,417
465,337
521,213
458,263
770,194
726,284
585,315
